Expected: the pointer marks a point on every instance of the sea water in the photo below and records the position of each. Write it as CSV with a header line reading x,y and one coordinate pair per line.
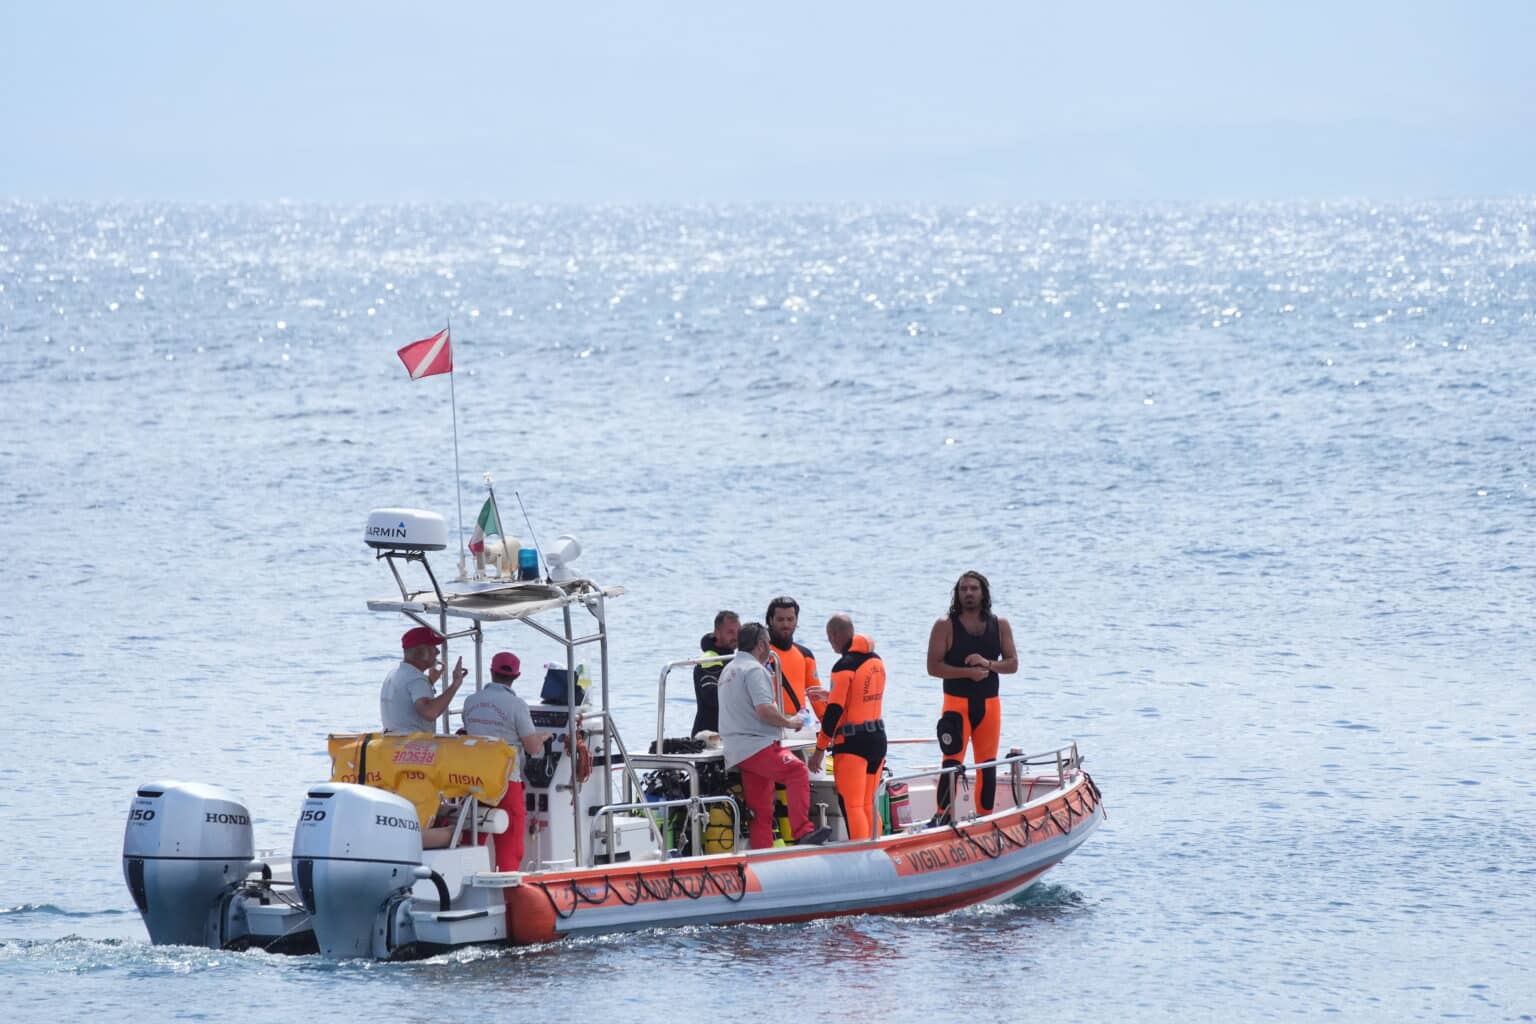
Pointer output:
x,y
1253,485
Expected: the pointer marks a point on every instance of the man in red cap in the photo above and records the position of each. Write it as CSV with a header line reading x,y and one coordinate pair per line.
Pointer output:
x,y
406,702
499,713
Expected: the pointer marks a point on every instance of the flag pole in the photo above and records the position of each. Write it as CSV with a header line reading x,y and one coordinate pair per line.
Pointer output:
x,y
453,400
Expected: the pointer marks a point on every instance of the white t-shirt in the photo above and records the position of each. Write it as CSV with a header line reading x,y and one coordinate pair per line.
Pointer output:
x,y
403,687
499,713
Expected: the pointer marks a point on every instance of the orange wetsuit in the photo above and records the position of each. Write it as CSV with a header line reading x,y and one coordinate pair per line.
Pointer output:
x,y
797,671
972,715
797,668
852,727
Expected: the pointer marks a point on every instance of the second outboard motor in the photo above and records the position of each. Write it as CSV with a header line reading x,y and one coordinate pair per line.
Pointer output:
x,y
356,851
186,847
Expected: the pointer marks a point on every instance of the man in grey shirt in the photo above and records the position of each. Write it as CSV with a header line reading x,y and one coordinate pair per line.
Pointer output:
x,y
499,713
750,722
406,701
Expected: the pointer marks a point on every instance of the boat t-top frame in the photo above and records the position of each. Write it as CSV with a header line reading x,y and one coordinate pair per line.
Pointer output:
x,y
480,602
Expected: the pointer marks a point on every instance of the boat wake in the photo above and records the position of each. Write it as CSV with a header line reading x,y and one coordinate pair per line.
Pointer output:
x,y
51,910
1046,896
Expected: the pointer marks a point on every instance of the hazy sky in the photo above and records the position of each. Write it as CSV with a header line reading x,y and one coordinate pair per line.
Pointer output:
x,y
785,101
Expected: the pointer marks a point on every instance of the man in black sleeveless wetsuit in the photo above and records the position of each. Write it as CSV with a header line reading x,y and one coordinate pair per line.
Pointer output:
x,y
967,649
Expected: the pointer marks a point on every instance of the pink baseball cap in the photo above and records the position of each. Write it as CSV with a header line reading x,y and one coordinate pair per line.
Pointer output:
x,y
506,664
421,636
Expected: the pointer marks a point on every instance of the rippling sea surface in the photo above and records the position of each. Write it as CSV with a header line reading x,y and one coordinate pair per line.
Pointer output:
x,y
1253,483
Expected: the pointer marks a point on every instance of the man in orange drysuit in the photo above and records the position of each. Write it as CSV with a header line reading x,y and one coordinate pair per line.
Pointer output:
x,y
797,684
797,665
967,649
852,726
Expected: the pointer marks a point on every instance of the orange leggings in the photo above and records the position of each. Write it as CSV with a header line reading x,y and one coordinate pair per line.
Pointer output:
x,y
857,778
976,722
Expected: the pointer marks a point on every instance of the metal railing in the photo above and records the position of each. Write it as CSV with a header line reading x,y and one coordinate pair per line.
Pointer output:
x,y
661,689
668,762
697,814
631,779
719,659
1066,760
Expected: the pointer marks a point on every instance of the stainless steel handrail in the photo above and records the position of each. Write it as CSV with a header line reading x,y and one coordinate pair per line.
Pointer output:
x,y
661,690
695,815
681,762
1070,763
611,739
1062,765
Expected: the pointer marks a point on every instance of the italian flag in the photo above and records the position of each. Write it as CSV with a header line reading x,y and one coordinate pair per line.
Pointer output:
x,y
486,523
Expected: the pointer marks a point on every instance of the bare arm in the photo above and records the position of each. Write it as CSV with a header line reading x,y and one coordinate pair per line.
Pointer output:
x,y
433,707
533,743
1010,662
938,646
774,717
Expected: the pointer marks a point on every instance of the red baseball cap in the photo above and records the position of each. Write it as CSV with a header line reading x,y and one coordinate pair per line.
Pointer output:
x,y
506,664
421,636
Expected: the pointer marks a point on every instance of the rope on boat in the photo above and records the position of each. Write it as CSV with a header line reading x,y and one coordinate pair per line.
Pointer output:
x,y
619,894
678,883
667,888
1098,798
741,876
674,885
662,892
1000,836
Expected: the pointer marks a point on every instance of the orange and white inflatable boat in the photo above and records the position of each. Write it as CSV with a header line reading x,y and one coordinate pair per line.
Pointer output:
x,y
393,857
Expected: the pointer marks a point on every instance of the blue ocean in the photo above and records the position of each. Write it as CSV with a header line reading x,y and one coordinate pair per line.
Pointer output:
x,y
1255,485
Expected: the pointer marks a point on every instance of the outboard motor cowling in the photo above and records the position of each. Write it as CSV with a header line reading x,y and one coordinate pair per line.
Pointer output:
x,y
354,848
186,847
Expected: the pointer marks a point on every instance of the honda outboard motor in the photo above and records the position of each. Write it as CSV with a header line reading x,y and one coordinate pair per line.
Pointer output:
x,y
187,846
356,854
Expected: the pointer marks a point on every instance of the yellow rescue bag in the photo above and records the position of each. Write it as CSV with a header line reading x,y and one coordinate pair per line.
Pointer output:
x,y
425,768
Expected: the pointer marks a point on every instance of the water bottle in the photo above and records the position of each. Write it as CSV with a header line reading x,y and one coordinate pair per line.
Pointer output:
x,y
808,719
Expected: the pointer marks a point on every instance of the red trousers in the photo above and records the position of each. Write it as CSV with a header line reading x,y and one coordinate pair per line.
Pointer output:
x,y
509,844
772,766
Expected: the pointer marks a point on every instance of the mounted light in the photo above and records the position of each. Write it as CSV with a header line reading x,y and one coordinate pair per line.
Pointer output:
x,y
559,558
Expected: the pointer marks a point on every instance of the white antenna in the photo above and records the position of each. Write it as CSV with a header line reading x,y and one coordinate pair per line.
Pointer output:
x,y
538,551
458,490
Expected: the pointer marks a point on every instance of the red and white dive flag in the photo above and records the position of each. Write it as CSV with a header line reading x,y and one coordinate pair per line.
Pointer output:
x,y
428,356
487,523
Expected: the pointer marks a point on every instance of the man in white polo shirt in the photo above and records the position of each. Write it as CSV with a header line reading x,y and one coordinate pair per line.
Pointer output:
x,y
750,724
501,714
406,701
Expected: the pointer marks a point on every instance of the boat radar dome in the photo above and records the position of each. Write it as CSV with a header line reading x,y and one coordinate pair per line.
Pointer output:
x,y
405,529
